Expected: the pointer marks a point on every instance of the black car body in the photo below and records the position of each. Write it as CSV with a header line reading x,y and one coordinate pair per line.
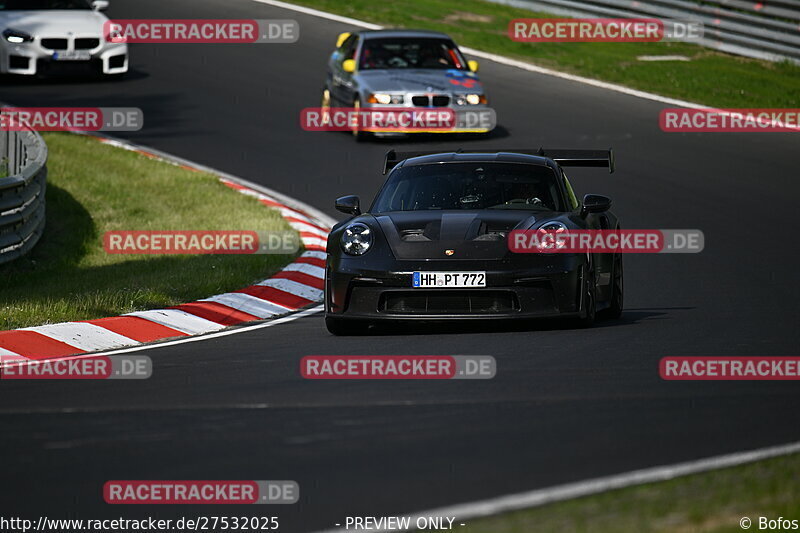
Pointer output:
x,y
452,212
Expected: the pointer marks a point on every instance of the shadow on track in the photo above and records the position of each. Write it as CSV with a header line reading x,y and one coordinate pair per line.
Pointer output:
x,y
630,317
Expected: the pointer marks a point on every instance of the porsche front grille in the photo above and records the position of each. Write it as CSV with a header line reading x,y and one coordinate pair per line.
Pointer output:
x,y
448,302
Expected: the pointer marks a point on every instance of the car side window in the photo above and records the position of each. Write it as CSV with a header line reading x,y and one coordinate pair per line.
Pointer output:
x,y
573,201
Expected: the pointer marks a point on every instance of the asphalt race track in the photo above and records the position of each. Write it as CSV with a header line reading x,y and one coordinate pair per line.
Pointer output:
x,y
566,405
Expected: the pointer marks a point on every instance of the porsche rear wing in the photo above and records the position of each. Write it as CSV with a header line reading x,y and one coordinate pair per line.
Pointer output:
x,y
565,157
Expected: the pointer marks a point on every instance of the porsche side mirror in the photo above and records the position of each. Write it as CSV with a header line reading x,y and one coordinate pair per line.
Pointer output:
x,y
349,65
100,5
595,203
473,65
349,204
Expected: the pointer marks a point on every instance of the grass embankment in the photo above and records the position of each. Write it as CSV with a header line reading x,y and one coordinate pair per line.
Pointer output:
x,y
713,502
710,78
94,188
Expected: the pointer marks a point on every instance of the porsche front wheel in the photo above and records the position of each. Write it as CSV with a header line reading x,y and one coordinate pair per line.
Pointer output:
x,y
588,298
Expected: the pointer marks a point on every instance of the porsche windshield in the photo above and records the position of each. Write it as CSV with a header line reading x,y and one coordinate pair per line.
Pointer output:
x,y
470,185
33,5
391,53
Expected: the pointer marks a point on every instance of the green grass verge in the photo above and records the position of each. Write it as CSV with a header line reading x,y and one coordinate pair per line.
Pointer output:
x,y
710,78
94,188
713,502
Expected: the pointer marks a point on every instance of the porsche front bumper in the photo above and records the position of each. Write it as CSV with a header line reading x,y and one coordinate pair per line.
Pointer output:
x,y
547,290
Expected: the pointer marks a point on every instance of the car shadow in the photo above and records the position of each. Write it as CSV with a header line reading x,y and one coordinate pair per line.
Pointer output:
x,y
15,80
628,318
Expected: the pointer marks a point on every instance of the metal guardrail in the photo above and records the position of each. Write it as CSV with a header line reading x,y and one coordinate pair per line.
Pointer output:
x,y
763,29
22,192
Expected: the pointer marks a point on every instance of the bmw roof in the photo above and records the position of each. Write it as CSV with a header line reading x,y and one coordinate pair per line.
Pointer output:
x,y
419,34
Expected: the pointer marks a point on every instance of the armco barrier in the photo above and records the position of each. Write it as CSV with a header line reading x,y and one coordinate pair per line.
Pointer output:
x,y
22,192
754,28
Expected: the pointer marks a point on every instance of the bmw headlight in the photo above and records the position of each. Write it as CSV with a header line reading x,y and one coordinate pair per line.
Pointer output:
x,y
385,99
356,239
470,99
16,36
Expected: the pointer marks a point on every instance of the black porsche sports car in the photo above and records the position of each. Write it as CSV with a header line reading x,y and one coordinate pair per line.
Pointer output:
x,y
434,244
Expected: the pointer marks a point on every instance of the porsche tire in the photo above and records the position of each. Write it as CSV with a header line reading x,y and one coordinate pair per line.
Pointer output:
x,y
588,300
617,295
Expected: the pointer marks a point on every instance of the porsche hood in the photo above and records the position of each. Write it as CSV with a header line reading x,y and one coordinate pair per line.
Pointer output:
x,y
451,234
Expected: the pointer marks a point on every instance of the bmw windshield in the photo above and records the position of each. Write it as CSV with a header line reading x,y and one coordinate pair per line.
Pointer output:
x,y
410,53
470,185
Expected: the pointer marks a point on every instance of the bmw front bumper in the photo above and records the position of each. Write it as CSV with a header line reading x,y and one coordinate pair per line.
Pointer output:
x,y
30,59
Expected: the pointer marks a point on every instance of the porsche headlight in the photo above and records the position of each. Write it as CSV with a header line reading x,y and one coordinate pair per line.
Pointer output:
x,y
550,235
356,239
16,36
385,99
553,225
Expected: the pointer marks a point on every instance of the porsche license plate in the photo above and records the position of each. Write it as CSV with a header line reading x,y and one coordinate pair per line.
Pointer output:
x,y
448,280
72,55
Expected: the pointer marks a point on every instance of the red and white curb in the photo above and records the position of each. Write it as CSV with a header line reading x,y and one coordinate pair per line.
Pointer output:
x,y
298,285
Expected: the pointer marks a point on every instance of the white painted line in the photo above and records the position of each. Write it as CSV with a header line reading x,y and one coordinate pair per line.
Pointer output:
x,y
313,241
314,253
663,58
293,287
300,226
569,491
289,212
180,320
249,304
84,336
321,14
500,59
305,268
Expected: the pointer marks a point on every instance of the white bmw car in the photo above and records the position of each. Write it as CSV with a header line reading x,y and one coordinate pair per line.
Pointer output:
x,y
57,36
